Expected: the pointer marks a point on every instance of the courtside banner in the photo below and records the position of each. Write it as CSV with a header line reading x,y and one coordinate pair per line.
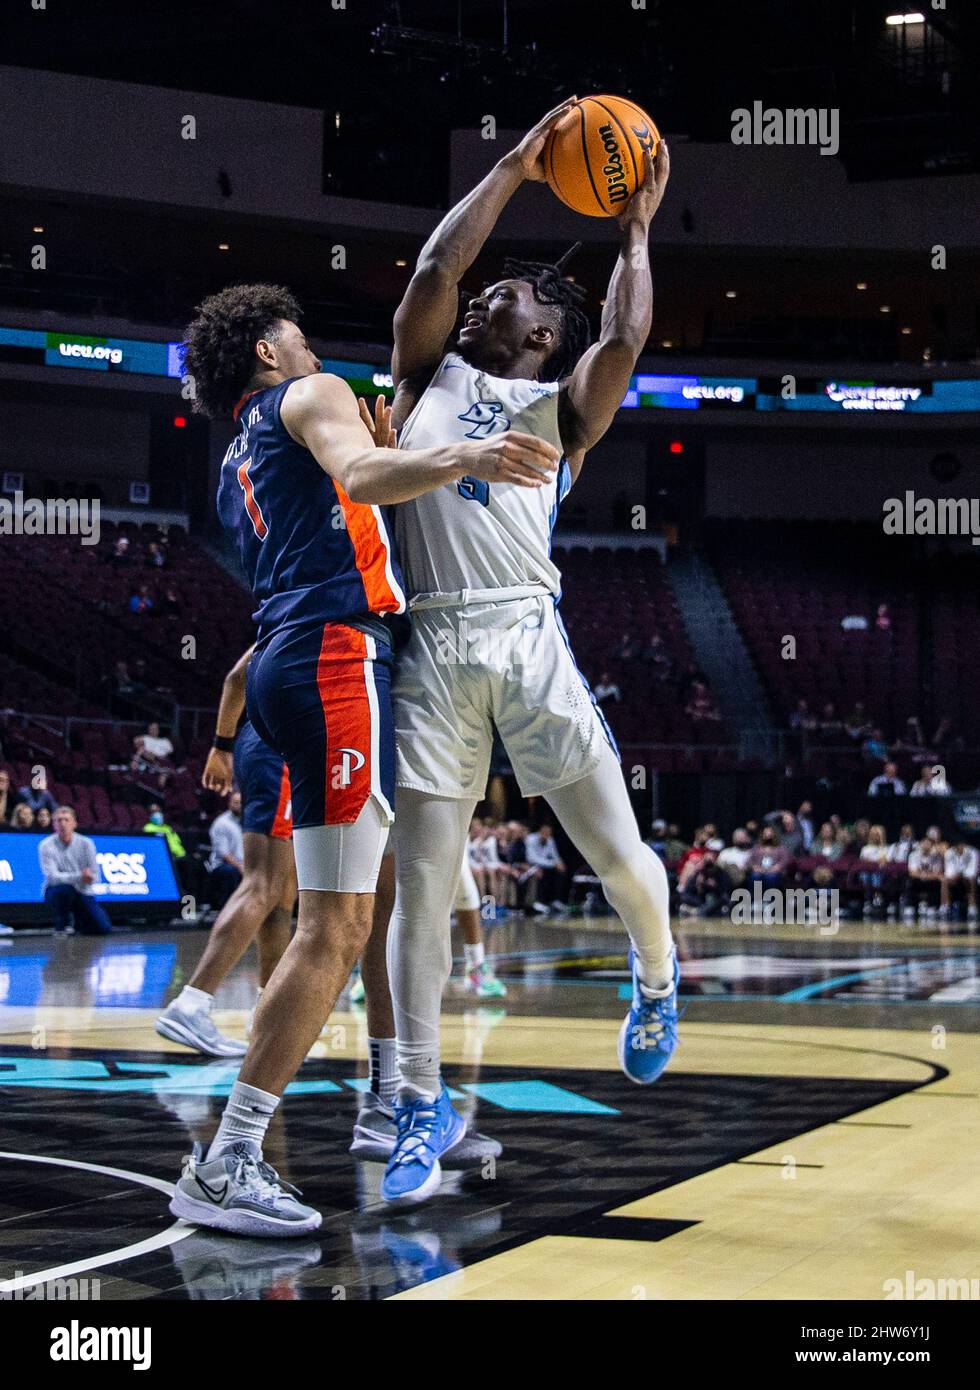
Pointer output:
x,y
133,869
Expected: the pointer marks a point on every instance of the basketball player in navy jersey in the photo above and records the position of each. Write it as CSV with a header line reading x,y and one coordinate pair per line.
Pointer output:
x,y
482,584
261,907
301,491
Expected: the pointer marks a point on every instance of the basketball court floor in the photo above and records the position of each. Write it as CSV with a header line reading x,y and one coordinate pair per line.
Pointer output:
x,y
814,1138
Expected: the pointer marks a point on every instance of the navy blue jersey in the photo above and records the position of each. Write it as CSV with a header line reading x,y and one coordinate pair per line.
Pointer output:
x,y
310,554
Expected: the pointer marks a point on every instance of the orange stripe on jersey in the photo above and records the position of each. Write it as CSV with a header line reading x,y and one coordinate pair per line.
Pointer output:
x,y
251,506
282,826
342,683
371,554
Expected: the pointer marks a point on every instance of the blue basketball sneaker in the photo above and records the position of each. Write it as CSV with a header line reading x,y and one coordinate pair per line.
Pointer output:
x,y
648,1037
426,1129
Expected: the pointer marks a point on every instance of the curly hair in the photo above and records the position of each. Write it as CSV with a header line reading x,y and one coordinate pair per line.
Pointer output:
x,y
551,287
219,345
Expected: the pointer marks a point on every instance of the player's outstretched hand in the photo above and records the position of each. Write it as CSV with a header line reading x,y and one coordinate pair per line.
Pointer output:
x,y
648,197
378,425
218,775
512,457
529,153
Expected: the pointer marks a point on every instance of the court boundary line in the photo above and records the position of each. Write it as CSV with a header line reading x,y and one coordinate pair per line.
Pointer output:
x,y
177,1231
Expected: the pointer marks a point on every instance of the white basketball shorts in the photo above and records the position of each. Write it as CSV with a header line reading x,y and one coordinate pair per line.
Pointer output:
x,y
472,665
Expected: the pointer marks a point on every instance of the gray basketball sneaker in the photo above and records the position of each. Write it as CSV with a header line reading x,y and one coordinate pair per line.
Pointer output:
x,y
375,1132
197,1030
240,1193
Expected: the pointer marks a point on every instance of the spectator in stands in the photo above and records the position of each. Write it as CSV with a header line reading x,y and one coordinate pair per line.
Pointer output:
x,y
485,859
658,836
155,555
874,749
551,885
871,875
6,796
924,884
656,655
768,861
856,725
804,819
803,720
887,783
859,834
120,553
705,889
607,689
141,601
37,795
826,845
152,752
883,618
43,820
227,857
157,825
790,834
122,682
171,606
70,867
674,847
514,868
960,868
733,860
931,781
854,622
899,851
913,743
628,648
700,705
22,817
829,724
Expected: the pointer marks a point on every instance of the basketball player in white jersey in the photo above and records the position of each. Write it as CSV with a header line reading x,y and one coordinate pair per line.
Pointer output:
x,y
488,647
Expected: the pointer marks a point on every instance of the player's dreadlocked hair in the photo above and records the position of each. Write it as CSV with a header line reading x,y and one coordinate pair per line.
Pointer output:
x,y
551,287
219,346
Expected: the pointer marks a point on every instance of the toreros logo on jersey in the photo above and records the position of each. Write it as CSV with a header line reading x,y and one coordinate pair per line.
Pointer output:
x,y
351,761
486,417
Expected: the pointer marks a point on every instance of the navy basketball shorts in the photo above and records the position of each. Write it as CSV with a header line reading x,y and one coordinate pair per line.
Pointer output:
x,y
320,696
263,780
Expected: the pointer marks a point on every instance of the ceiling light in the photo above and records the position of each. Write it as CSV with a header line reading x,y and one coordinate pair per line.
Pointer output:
x,y
223,246
913,17
861,285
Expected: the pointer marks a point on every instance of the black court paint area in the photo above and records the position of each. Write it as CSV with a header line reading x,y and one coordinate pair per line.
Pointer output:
x,y
603,1144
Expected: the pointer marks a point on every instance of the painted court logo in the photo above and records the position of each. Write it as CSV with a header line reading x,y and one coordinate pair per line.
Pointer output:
x,y
78,1343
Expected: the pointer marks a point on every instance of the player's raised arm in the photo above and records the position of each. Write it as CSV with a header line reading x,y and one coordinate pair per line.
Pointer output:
x,y
321,413
425,317
601,378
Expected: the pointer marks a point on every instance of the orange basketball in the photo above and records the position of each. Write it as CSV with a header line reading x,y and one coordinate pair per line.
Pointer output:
x,y
593,158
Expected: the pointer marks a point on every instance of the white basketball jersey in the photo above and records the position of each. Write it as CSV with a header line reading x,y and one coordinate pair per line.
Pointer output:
x,y
475,535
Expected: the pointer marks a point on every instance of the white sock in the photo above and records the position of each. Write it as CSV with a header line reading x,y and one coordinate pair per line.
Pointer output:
x,y
246,1119
385,1076
474,955
419,1067
194,1001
